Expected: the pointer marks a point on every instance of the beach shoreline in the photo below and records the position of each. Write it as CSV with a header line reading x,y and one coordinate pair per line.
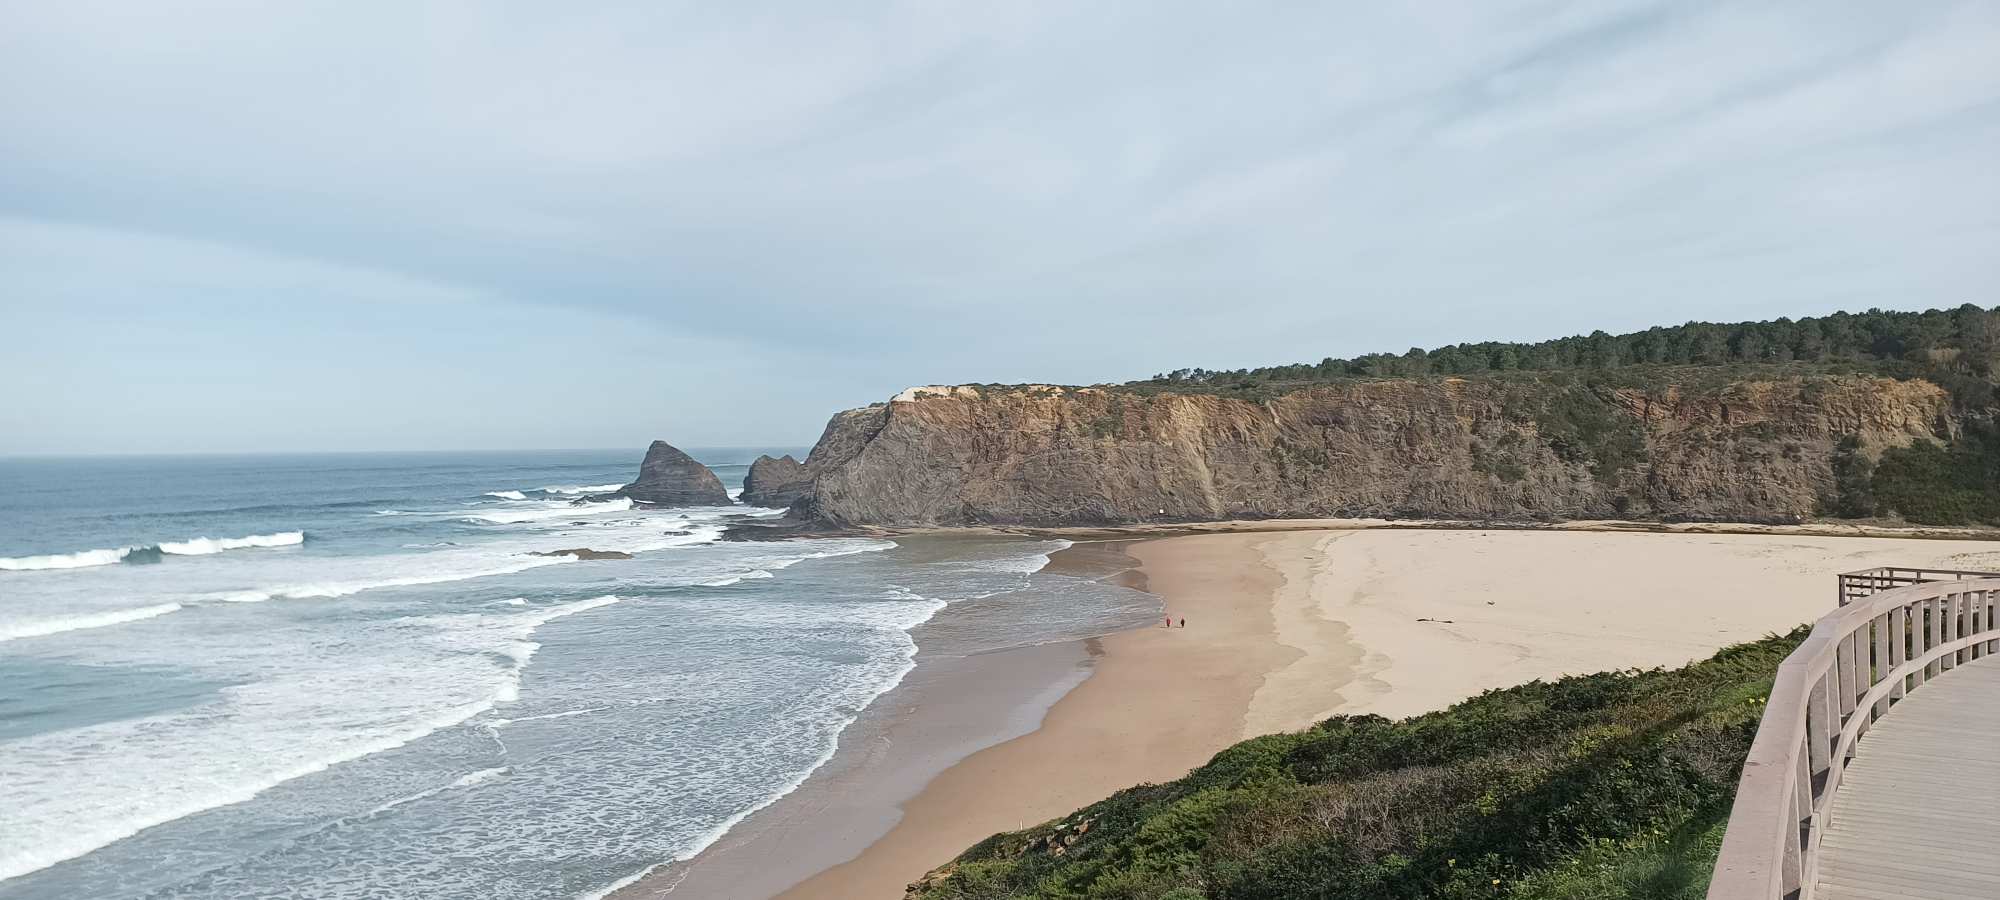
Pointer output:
x,y
1285,627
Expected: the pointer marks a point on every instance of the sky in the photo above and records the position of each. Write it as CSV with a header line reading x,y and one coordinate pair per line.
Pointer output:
x,y
247,226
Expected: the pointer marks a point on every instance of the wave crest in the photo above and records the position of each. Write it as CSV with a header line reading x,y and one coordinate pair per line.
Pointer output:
x,y
43,627
565,511
78,560
201,546
573,489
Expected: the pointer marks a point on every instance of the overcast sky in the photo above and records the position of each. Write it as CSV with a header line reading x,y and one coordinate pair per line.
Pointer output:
x,y
353,225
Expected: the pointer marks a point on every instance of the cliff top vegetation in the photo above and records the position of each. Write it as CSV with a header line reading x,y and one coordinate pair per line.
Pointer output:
x,y
1957,348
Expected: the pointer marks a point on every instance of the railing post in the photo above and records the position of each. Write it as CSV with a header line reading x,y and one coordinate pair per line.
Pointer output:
x,y
1948,631
1982,621
1879,662
1993,609
1898,649
1796,830
1923,635
1841,676
1818,711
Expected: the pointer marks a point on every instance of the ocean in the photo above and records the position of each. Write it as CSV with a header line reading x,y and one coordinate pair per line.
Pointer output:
x,y
353,675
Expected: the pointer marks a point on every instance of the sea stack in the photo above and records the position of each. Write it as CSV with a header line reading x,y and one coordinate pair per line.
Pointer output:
x,y
778,482
669,477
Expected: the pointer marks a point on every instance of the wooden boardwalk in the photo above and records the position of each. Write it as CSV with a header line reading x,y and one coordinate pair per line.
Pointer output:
x,y
1918,812
1875,773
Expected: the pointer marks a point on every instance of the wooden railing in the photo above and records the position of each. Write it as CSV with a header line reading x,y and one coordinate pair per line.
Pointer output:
x,y
1856,585
1858,662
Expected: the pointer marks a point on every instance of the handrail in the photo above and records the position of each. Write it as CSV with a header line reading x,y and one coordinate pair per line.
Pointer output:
x,y
1856,585
1855,665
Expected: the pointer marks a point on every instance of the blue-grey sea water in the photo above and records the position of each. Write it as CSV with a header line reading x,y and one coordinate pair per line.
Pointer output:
x,y
352,675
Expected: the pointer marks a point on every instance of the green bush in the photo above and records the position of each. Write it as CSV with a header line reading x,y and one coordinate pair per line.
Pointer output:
x,y
1614,785
1941,486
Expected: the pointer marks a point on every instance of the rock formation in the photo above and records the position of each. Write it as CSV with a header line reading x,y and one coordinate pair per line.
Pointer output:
x,y
669,477
584,553
1491,448
776,482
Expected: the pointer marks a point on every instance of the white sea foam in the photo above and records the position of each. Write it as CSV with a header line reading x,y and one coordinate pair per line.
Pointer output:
x,y
200,546
857,545
923,610
1025,565
78,560
134,787
507,495
554,512
325,590
522,651
203,546
467,780
481,775
733,579
498,723
57,625
570,490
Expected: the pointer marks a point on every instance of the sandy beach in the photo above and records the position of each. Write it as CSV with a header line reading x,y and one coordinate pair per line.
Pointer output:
x,y
1285,626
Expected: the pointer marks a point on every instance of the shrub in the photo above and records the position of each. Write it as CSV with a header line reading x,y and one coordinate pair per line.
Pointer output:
x,y
1614,785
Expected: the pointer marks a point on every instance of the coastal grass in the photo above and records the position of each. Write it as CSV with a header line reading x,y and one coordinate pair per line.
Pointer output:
x,y
1613,785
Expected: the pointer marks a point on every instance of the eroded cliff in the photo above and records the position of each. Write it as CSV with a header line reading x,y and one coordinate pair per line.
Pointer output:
x,y
1749,450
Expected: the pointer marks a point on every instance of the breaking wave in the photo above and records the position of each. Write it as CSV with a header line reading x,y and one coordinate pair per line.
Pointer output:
x,y
58,625
565,511
76,560
201,546
734,579
568,490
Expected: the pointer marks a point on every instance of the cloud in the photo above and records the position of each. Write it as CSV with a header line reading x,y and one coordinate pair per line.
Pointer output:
x,y
910,193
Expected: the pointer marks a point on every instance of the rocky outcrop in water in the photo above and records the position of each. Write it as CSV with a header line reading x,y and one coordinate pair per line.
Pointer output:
x,y
778,482
583,553
668,477
1519,448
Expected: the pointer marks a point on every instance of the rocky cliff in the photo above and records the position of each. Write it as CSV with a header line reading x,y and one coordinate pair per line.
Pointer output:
x,y
778,482
1521,448
668,477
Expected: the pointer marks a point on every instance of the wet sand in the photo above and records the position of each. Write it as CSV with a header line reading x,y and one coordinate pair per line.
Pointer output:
x,y
1159,702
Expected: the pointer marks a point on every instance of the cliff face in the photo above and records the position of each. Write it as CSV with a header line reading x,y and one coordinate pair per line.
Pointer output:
x,y
1448,448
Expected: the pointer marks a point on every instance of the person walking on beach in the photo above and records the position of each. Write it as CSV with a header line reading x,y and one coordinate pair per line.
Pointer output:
x,y
1183,623
1170,621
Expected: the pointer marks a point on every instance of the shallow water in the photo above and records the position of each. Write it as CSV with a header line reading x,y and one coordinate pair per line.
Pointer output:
x,y
349,676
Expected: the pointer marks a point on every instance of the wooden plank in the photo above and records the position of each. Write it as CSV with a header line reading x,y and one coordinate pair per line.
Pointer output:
x,y
1911,820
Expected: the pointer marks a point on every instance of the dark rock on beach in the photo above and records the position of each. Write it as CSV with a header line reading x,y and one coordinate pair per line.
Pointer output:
x,y
669,477
585,553
776,483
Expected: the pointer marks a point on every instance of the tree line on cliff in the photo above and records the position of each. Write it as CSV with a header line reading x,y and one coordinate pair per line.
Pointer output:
x,y
1955,344
1953,482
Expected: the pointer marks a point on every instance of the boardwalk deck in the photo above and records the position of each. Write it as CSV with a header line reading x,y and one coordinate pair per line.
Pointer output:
x,y
1918,812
